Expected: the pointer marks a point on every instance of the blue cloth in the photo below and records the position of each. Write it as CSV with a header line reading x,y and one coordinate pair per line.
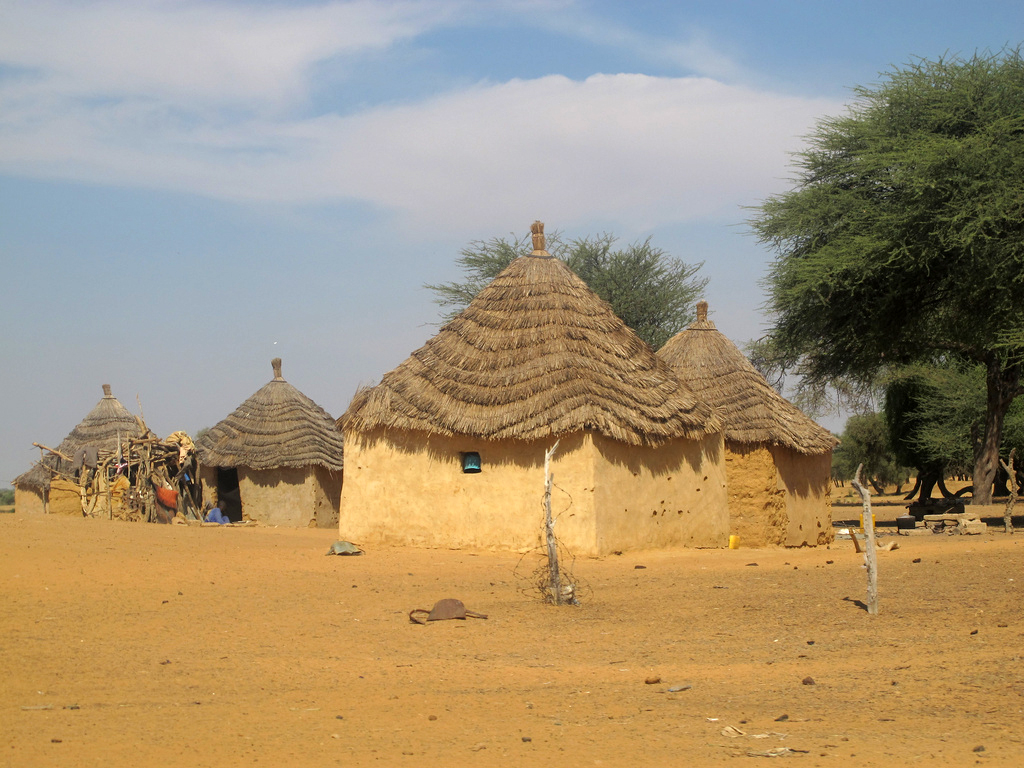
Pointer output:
x,y
216,516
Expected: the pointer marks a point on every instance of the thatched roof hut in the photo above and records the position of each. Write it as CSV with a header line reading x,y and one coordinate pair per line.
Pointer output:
x,y
107,424
536,356
759,424
277,444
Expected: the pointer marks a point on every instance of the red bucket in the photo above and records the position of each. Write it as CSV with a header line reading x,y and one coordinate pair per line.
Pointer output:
x,y
167,497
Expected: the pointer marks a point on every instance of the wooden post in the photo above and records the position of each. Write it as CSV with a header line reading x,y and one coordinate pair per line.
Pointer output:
x,y
555,584
871,555
1014,488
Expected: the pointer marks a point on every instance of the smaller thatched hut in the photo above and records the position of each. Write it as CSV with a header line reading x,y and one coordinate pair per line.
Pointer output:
x,y
276,459
51,485
778,461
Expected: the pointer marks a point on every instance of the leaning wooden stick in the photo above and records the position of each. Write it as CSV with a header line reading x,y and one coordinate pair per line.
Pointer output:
x,y
1014,488
870,555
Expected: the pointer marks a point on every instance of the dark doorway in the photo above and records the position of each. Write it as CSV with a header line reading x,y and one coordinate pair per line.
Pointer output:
x,y
228,496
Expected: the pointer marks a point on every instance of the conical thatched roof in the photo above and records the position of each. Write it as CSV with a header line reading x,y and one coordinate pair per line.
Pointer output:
x,y
536,354
275,428
753,412
102,427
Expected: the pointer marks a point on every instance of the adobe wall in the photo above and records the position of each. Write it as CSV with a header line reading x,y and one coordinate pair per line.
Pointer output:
x,y
28,501
282,496
758,511
673,495
326,497
408,488
806,482
65,498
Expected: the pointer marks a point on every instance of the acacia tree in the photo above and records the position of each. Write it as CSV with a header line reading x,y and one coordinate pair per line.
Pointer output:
x,y
652,292
903,238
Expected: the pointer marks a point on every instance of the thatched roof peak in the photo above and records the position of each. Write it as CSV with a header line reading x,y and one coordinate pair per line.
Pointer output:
x,y
276,427
539,241
535,355
753,412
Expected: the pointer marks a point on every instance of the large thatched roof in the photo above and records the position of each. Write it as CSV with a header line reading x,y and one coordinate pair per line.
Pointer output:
x,y
102,427
277,427
753,412
536,354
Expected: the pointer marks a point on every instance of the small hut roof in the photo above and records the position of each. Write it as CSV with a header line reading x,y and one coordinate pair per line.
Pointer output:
x,y
536,354
103,426
277,427
753,412
38,478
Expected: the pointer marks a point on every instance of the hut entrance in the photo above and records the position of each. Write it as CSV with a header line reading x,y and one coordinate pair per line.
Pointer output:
x,y
228,496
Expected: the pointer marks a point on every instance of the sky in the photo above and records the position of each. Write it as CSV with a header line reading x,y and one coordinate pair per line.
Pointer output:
x,y
189,189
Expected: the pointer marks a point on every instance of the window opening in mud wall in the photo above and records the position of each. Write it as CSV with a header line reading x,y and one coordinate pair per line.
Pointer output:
x,y
470,462
228,496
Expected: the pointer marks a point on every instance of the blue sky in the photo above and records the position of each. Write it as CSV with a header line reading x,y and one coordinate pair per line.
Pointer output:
x,y
188,189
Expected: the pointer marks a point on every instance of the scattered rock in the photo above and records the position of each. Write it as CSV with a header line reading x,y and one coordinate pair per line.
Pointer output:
x,y
752,564
916,560
652,680
810,642
974,631
829,562
781,718
979,748
527,739
732,732
432,718
639,567
478,747
677,688
808,681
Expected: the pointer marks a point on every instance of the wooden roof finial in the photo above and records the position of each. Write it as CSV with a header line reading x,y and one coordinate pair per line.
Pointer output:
x,y
106,390
539,243
276,365
702,311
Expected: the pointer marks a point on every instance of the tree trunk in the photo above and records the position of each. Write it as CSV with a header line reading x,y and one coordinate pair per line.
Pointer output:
x,y
1002,385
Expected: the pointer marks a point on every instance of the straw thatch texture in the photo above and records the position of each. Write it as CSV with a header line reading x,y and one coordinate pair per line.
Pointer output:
x,y
103,425
37,478
536,354
753,412
278,427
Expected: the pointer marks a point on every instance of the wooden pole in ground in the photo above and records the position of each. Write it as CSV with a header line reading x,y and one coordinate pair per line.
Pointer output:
x,y
870,555
1014,487
555,582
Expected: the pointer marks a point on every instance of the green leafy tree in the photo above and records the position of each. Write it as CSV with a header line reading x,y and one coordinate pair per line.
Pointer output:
x,y
903,239
865,441
935,415
651,291
6,497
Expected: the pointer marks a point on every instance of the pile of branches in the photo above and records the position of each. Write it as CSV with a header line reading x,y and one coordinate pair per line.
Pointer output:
x,y
141,479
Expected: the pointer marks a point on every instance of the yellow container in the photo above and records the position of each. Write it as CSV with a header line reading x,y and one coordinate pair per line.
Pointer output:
x,y
874,520
734,542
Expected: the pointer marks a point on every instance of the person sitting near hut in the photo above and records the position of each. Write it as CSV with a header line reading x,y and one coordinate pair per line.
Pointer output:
x,y
216,516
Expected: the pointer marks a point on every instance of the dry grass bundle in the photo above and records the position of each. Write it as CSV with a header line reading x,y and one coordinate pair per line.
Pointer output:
x,y
753,412
276,427
535,355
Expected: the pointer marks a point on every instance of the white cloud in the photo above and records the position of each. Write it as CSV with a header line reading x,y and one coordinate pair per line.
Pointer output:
x,y
633,150
194,52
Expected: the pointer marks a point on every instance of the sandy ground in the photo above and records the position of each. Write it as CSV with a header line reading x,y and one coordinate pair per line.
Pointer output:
x,y
130,644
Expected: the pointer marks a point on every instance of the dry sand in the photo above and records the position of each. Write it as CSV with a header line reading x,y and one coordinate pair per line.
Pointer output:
x,y
129,644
